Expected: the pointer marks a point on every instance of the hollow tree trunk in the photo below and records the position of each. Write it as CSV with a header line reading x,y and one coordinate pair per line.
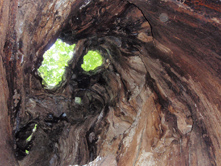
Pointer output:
x,y
154,101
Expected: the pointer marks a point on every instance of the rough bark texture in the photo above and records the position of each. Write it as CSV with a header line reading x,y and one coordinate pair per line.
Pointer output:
x,y
154,101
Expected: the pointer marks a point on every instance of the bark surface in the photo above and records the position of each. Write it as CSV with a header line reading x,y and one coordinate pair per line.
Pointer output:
x,y
154,101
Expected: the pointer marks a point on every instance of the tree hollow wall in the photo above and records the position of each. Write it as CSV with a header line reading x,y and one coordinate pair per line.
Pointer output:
x,y
155,100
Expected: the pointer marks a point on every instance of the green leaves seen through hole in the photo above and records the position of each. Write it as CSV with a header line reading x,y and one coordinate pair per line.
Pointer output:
x,y
55,60
92,60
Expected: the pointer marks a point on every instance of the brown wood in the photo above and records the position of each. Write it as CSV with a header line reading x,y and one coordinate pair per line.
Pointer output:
x,y
154,101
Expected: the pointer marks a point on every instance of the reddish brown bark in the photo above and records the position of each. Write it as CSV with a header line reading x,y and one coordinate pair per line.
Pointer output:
x,y
154,101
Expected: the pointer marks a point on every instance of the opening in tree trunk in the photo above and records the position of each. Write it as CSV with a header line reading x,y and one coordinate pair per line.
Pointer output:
x,y
154,100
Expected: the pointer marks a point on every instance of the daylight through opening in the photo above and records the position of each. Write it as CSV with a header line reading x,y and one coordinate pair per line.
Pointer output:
x,y
92,60
55,60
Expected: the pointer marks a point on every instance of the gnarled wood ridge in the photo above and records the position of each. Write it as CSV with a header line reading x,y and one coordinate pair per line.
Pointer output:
x,y
156,100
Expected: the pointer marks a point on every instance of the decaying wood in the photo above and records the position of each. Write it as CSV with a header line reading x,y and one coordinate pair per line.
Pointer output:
x,y
154,101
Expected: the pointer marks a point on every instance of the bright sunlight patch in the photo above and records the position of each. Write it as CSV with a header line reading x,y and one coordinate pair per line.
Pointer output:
x,y
55,60
92,60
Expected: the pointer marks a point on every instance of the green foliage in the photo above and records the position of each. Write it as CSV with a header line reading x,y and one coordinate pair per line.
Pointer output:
x,y
55,60
77,100
30,137
92,60
33,130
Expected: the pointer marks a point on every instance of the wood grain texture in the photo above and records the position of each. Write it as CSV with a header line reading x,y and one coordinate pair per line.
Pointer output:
x,y
154,101
6,26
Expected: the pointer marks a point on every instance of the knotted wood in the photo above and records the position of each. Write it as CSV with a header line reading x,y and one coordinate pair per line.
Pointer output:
x,y
154,101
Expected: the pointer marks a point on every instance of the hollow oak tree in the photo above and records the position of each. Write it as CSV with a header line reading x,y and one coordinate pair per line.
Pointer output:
x,y
154,101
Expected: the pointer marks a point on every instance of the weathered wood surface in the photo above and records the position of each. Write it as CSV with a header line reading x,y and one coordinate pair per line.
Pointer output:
x,y
155,101
7,23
